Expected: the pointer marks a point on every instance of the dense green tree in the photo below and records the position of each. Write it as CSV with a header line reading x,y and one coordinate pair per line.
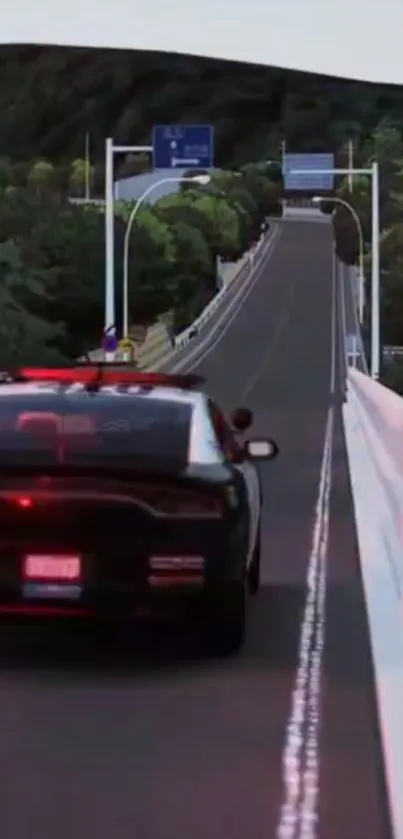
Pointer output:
x,y
384,145
151,260
80,172
52,97
41,176
173,251
195,274
223,220
176,207
6,173
23,335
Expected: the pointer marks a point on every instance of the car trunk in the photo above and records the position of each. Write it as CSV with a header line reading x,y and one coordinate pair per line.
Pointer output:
x,y
91,540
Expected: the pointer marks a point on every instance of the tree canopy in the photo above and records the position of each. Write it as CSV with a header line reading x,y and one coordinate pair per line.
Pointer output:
x,y
386,146
52,256
51,97
56,102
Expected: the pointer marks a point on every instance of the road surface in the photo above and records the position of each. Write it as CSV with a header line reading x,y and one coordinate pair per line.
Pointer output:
x,y
172,747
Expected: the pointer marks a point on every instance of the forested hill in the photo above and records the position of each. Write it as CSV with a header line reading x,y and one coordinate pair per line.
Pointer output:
x,y
52,251
51,96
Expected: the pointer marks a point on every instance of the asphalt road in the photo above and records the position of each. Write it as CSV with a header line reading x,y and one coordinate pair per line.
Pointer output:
x,y
172,747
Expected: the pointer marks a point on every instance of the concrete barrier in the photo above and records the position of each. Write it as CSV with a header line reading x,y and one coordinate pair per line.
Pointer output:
x,y
373,423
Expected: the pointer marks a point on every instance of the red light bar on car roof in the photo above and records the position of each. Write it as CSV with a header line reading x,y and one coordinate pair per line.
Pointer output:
x,y
101,375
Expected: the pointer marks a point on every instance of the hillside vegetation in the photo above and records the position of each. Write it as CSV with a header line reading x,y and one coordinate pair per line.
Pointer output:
x,y
52,252
51,96
386,146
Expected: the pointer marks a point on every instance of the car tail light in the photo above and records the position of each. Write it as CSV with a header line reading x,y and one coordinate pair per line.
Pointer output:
x,y
24,502
161,500
176,570
184,502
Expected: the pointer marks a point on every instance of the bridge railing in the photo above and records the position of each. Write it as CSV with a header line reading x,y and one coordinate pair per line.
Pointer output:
x,y
373,423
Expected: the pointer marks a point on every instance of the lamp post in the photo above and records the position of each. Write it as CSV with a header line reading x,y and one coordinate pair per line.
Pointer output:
x,y
201,180
373,173
110,151
317,199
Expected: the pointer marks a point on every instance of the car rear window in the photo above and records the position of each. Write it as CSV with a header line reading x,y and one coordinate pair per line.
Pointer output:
x,y
102,429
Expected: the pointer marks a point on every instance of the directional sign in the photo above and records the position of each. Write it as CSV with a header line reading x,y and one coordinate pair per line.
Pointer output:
x,y
183,146
308,183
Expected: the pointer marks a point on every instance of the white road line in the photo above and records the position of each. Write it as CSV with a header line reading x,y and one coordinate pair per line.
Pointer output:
x,y
295,783
343,327
301,756
310,794
333,329
202,350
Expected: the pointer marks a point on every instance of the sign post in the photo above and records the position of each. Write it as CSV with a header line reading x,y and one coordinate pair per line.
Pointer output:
x,y
183,146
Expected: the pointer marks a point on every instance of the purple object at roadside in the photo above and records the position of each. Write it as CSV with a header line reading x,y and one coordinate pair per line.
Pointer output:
x,y
109,342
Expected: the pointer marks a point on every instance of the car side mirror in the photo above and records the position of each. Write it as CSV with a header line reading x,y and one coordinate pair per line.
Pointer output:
x,y
261,449
242,419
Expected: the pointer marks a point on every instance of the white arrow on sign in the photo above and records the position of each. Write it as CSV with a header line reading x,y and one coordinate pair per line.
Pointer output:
x,y
184,161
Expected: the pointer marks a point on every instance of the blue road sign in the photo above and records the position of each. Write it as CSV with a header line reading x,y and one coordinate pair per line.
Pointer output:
x,y
308,183
183,146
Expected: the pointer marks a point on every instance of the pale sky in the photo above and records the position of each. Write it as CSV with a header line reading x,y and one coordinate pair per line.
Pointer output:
x,y
349,37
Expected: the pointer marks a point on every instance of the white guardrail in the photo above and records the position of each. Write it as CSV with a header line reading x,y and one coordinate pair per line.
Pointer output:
x,y
245,270
159,348
373,424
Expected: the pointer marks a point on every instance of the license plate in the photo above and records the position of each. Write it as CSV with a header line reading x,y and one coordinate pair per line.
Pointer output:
x,y
52,568
51,591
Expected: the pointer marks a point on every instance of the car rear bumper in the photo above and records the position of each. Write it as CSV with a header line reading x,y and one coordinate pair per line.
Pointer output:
x,y
170,568
160,599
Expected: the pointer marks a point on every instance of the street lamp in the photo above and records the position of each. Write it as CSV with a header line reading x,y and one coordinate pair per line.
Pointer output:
x,y
317,199
201,180
110,151
373,173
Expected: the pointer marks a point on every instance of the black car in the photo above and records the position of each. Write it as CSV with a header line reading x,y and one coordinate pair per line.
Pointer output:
x,y
126,494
